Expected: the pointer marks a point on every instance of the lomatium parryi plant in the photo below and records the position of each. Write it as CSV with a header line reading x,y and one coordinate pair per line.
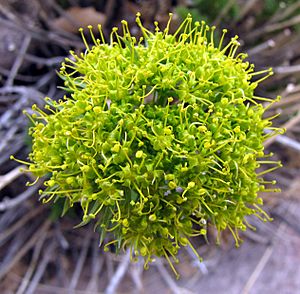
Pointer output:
x,y
157,138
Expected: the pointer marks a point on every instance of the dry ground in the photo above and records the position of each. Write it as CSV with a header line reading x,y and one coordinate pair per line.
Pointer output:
x,y
38,255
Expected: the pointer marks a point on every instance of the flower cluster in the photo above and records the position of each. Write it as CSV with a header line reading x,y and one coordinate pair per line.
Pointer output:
x,y
156,138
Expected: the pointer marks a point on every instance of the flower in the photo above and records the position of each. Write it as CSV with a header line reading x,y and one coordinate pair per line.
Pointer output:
x,y
156,137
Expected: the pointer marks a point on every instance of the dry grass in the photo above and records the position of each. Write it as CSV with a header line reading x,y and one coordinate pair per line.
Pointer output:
x,y
38,255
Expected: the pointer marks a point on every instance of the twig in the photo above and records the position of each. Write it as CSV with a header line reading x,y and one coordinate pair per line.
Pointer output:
x,y
33,264
287,112
41,268
97,265
109,12
18,62
61,238
287,212
11,133
201,265
290,221
109,266
10,203
223,12
7,119
22,221
8,136
9,99
19,77
290,89
136,275
80,262
248,6
5,11
285,140
29,92
65,15
261,47
167,278
24,249
119,274
273,27
15,245
16,146
267,254
291,8
285,70
294,98
258,269
45,80
7,217
44,61
267,229
256,237
43,288
289,124
43,35
11,176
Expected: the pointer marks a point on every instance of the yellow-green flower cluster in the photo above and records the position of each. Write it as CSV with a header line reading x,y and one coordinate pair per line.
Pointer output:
x,y
156,138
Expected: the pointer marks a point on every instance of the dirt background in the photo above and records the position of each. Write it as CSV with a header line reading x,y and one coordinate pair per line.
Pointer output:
x,y
41,253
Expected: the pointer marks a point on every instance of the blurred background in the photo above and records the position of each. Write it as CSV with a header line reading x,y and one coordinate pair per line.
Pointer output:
x,y
42,253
